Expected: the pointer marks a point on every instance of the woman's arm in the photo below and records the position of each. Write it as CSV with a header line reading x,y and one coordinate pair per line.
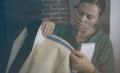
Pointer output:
x,y
105,61
49,27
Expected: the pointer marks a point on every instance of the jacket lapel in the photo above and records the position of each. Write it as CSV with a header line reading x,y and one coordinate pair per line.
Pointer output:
x,y
26,48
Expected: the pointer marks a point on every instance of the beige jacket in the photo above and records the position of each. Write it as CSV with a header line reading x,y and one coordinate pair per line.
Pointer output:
x,y
47,56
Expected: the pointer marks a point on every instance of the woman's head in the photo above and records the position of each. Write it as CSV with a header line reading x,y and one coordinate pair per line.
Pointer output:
x,y
88,13
100,3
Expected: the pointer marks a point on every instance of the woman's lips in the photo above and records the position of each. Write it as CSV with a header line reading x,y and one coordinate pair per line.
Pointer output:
x,y
79,26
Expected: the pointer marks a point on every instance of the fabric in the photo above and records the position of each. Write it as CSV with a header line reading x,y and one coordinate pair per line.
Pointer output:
x,y
103,57
88,49
49,55
22,47
16,48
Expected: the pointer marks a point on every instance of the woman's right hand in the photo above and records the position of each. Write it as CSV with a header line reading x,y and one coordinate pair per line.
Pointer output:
x,y
47,27
81,63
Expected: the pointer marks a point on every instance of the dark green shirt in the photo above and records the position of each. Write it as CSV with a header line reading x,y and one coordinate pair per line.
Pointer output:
x,y
103,57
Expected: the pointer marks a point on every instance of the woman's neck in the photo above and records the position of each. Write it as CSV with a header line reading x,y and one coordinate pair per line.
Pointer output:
x,y
83,36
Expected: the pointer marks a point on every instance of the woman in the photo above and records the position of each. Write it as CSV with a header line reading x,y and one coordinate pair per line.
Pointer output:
x,y
87,15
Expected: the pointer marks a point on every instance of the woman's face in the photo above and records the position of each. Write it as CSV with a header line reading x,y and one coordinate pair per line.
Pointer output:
x,y
86,16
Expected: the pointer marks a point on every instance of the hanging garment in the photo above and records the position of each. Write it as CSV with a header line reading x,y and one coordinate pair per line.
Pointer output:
x,y
49,55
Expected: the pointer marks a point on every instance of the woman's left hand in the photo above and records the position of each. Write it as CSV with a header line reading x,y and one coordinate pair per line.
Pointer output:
x,y
80,62
47,27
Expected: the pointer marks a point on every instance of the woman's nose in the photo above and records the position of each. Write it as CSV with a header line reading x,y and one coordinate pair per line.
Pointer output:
x,y
83,18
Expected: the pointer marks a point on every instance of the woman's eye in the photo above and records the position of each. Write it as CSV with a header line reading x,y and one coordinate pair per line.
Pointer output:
x,y
90,17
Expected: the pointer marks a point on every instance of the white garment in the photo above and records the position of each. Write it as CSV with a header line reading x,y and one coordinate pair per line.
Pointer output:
x,y
16,47
88,49
47,56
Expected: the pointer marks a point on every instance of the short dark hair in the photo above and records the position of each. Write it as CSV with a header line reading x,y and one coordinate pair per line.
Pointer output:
x,y
100,3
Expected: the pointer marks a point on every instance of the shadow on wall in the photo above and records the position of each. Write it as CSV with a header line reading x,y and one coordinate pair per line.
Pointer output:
x,y
19,13
3,40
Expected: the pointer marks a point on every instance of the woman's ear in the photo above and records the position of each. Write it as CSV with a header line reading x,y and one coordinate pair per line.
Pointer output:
x,y
99,19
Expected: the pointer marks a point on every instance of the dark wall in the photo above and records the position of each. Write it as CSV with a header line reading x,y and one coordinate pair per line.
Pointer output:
x,y
19,13
3,42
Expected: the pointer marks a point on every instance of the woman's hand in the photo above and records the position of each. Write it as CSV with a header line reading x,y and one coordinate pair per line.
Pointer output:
x,y
47,27
80,62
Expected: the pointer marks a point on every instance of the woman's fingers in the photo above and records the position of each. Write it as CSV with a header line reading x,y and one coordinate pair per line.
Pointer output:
x,y
51,29
43,25
80,62
77,53
47,28
74,61
74,57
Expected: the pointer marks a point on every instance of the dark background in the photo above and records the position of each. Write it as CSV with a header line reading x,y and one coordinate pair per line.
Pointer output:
x,y
3,38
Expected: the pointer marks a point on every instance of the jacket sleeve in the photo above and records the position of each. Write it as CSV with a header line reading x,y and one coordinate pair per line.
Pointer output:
x,y
61,30
105,63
